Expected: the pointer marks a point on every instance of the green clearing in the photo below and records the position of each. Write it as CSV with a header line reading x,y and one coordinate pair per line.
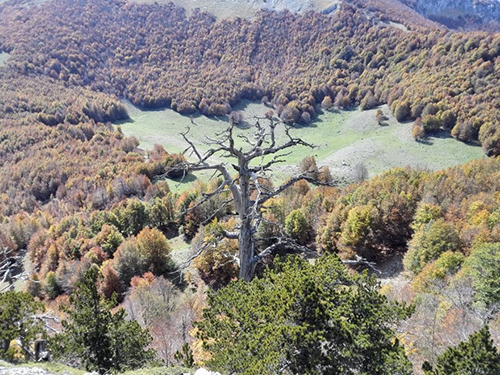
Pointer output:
x,y
3,58
52,367
160,371
343,139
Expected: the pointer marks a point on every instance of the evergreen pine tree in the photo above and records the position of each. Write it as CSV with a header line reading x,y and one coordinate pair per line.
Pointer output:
x,y
303,319
18,320
100,340
477,356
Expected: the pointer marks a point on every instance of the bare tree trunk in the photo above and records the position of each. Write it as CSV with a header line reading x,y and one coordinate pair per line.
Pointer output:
x,y
262,144
246,250
246,235
6,345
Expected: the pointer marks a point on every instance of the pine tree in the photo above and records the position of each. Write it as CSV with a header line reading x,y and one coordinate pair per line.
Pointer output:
x,y
18,319
101,340
477,356
185,356
302,319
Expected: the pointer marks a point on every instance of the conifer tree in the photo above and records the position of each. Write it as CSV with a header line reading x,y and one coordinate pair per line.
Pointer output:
x,y
102,341
476,356
303,319
18,319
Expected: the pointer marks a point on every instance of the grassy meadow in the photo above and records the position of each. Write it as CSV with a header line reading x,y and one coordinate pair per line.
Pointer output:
x,y
3,58
343,139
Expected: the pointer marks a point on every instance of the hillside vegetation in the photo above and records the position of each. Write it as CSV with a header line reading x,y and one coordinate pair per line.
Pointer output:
x,y
156,56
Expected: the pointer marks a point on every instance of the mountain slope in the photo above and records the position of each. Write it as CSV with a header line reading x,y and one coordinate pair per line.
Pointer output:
x,y
247,8
468,14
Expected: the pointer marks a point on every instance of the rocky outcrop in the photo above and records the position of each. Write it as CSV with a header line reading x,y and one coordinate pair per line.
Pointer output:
x,y
459,13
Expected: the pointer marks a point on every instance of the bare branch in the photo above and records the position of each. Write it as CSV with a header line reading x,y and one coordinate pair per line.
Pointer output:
x,y
276,159
287,243
191,144
246,140
206,197
259,220
231,235
272,149
282,243
216,212
290,182
359,261
187,263
8,266
233,258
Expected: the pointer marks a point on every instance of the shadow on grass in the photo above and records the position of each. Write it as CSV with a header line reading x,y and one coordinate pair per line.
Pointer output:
x,y
313,124
443,134
425,141
244,125
190,177
197,115
130,120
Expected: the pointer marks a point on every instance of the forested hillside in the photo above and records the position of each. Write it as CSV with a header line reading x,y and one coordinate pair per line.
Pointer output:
x,y
156,57
105,244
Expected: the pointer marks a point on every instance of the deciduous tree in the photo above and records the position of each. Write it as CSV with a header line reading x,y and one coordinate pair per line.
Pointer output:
x,y
248,195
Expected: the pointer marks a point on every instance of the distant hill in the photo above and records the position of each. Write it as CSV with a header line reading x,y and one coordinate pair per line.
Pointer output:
x,y
455,14
247,8
368,53
467,14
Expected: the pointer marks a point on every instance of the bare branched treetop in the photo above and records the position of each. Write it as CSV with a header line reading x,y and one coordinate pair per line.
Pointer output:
x,y
10,264
261,152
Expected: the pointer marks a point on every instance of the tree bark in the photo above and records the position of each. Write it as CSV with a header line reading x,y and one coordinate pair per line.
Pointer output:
x,y
246,250
6,345
246,236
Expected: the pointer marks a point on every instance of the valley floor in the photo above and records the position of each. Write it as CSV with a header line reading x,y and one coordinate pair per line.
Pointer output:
x,y
344,139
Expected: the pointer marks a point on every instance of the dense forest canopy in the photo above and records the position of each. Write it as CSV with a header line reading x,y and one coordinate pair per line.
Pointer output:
x,y
156,56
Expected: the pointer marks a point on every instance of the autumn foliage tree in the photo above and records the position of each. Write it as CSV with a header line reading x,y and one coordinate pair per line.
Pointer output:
x,y
341,59
154,249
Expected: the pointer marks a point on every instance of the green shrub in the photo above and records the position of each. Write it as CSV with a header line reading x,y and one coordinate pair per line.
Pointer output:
x,y
483,265
297,227
429,243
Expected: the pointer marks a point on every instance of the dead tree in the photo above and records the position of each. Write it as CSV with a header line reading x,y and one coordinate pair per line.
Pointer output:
x,y
10,264
263,151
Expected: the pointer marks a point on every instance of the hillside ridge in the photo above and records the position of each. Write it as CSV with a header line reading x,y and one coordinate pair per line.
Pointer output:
x,y
467,14
454,14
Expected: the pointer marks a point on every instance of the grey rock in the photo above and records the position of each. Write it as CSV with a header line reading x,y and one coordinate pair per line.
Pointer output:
x,y
23,371
456,13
